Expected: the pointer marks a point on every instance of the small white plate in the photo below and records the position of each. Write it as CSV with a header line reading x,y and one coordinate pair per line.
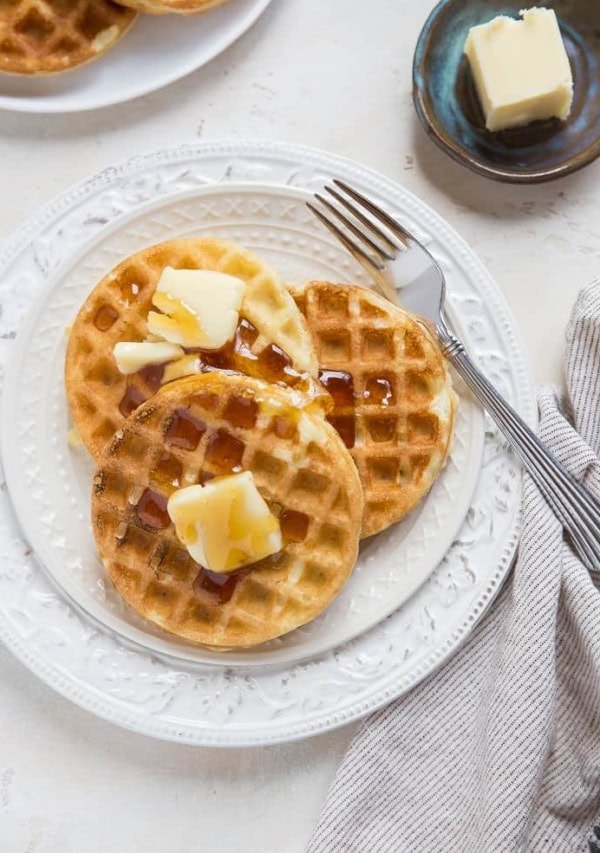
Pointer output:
x,y
158,50
383,634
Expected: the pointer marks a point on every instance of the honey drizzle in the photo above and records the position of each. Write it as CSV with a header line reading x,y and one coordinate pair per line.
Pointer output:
x,y
152,375
214,588
379,391
152,509
185,430
105,318
132,398
241,412
271,363
294,525
345,426
224,452
168,473
340,386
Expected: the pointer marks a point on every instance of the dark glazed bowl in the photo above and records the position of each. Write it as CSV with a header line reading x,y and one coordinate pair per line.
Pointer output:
x,y
447,103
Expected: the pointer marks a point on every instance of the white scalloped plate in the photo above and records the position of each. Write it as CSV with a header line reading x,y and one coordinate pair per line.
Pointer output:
x,y
76,633
158,50
50,484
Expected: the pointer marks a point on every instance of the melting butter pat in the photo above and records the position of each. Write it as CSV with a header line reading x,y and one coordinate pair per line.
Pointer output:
x,y
226,523
186,366
131,356
521,69
200,308
309,432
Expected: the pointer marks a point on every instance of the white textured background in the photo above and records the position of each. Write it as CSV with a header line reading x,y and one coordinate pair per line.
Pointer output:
x,y
335,75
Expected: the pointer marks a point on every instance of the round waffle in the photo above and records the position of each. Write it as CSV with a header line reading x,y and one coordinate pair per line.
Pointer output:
x,y
39,37
182,7
272,341
393,400
212,425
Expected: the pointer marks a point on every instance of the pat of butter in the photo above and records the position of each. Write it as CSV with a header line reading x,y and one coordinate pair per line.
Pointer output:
x,y
226,523
521,69
186,366
309,432
200,308
131,357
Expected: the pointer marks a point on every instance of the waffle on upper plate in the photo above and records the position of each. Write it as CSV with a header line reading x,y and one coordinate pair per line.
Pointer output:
x,y
181,7
393,400
210,425
271,343
39,37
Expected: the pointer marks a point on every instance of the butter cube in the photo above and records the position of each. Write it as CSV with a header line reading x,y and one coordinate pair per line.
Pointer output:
x,y
521,69
200,308
186,366
226,523
133,356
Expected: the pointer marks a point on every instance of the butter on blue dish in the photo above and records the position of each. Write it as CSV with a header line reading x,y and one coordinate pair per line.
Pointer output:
x,y
532,149
521,69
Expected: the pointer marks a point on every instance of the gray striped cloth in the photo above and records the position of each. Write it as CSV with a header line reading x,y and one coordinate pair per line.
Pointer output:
x,y
500,750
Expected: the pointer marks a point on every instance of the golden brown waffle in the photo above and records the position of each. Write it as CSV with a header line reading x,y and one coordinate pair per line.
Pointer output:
x,y
48,36
182,7
211,425
393,399
272,341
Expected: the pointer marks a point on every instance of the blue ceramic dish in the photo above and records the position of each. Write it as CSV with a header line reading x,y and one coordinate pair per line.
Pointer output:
x,y
447,104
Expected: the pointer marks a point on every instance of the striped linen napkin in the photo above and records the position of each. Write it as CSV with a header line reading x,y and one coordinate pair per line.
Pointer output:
x,y
500,750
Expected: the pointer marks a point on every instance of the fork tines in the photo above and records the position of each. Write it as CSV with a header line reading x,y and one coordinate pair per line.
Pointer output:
x,y
365,229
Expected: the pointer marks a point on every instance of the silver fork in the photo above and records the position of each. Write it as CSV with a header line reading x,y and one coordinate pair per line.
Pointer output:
x,y
394,258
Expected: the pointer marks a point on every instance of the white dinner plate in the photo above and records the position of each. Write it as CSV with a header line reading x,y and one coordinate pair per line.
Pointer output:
x,y
158,50
417,589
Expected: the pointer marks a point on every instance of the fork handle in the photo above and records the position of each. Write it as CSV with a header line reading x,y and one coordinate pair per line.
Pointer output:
x,y
574,506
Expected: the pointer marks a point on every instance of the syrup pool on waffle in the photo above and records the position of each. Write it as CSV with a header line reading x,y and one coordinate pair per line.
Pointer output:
x,y
189,323
187,306
393,403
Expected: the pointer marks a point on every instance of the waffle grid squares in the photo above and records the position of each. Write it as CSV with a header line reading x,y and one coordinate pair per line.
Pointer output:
x,y
117,308
398,376
45,36
281,592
